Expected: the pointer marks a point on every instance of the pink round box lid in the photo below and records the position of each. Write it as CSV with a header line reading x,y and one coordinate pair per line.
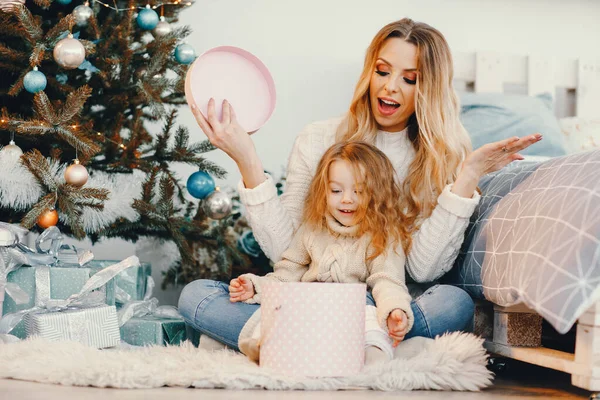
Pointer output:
x,y
232,74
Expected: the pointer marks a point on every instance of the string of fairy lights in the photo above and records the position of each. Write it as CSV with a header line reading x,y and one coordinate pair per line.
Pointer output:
x,y
154,7
115,8
119,144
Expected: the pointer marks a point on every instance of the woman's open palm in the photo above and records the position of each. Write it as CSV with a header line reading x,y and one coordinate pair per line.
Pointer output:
x,y
495,156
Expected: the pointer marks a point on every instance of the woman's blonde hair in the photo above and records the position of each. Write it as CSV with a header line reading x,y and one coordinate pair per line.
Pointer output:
x,y
379,212
440,141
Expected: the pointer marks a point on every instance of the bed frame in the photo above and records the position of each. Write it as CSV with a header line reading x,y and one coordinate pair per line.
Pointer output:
x,y
575,85
498,73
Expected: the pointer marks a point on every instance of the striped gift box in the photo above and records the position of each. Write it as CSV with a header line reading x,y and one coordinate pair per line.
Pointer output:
x,y
95,326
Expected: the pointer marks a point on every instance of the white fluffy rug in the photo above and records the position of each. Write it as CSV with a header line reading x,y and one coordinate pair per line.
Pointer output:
x,y
452,362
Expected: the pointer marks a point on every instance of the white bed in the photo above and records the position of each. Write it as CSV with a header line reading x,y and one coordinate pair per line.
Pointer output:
x,y
575,84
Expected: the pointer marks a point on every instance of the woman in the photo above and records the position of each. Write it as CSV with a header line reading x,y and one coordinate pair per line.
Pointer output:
x,y
404,104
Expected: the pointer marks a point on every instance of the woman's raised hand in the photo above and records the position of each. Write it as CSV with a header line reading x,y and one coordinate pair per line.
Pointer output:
x,y
226,134
495,156
230,137
489,158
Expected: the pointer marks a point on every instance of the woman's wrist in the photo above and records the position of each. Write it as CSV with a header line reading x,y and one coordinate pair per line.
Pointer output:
x,y
252,172
466,182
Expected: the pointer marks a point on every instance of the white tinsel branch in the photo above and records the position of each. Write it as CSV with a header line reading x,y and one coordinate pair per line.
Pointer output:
x,y
20,190
124,188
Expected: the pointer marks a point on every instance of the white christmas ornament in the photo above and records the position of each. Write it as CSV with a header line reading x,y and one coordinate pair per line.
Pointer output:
x,y
82,14
162,28
12,150
76,174
69,53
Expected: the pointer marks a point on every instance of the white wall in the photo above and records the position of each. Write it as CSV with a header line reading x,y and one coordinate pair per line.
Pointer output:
x,y
315,49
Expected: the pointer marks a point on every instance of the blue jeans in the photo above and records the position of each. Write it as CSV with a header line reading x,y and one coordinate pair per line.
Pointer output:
x,y
205,306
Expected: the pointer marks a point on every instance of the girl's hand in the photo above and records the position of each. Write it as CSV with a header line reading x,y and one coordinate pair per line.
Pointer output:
x,y
495,156
226,134
397,323
240,289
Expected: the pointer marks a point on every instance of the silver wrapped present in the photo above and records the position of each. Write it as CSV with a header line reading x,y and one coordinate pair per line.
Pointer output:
x,y
96,326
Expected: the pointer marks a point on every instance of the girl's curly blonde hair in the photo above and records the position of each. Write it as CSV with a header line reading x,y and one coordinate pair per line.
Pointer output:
x,y
379,213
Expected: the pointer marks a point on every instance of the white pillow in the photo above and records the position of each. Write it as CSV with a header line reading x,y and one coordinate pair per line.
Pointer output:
x,y
581,134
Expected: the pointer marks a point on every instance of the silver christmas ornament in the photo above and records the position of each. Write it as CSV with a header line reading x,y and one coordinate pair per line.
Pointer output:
x,y
82,14
162,28
76,174
69,53
217,205
12,150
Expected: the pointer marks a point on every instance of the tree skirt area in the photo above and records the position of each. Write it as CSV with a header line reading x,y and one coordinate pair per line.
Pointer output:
x,y
454,361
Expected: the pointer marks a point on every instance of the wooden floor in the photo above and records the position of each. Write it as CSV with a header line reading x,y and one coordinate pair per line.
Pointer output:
x,y
518,381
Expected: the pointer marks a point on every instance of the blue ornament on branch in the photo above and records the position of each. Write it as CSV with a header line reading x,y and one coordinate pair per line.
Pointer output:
x,y
200,184
147,19
34,81
248,244
63,2
184,53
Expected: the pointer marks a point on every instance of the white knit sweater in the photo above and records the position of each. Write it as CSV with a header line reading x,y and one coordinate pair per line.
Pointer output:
x,y
336,254
275,219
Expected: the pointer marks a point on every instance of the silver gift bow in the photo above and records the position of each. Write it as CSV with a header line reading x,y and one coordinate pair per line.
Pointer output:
x,y
14,254
57,252
147,306
10,260
85,298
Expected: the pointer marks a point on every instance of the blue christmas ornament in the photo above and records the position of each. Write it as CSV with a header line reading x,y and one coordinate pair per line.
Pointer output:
x,y
248,244
147,19
63,2
34,81
184,53
200,184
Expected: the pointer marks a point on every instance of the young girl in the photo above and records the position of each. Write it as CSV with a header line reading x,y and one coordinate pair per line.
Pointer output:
x,y
353,231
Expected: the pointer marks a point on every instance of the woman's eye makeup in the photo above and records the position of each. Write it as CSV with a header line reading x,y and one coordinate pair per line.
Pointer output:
x,y
406,79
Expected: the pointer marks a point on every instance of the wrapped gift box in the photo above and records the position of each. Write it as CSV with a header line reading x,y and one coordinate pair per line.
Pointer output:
x,y
313,329
64,282
95,326
192,335
131,281
151,330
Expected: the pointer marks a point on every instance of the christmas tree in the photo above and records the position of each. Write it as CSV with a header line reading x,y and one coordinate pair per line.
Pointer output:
x,y
81,87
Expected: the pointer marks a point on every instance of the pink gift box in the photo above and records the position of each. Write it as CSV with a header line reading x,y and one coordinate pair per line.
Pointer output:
x,y
313,329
